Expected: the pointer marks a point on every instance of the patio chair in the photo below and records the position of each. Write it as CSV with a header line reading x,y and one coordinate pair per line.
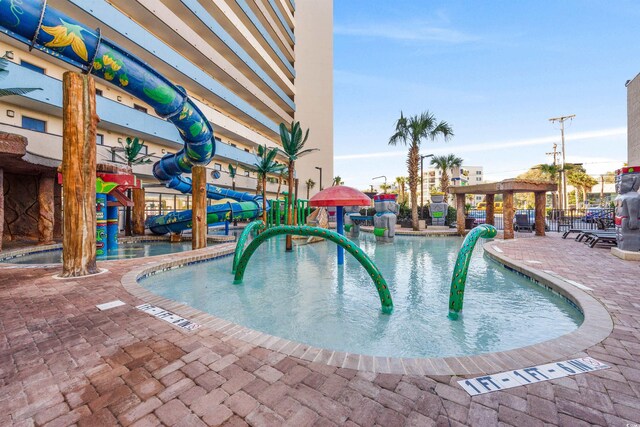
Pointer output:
x,y
606,238
523,223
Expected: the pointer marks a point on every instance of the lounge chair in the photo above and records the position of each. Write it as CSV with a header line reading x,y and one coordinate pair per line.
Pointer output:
x,y
522,223
594,237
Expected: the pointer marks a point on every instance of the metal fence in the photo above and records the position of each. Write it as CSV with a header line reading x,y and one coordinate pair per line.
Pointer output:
x,y
558,220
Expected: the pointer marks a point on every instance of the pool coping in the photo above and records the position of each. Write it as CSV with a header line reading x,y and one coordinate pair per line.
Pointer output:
x,y
597,326
5,257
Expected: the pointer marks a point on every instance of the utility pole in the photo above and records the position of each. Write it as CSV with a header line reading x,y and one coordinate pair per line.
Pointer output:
x,y
555,153
561,120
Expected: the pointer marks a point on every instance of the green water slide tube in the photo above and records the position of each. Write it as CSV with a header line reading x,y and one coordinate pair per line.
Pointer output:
x,y
459,277
255,225
303,230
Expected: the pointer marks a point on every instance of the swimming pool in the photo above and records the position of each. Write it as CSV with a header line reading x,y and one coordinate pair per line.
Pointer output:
x,y
125,250
304,296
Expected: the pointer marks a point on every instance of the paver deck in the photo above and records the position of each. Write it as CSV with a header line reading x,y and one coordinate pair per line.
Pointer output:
x,y
63,362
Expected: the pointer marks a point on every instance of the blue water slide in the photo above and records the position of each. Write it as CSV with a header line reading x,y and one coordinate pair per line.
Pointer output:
x,y
44,28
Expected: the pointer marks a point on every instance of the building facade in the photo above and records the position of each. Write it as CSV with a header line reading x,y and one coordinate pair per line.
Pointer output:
x,y
249,65
633,121
464,175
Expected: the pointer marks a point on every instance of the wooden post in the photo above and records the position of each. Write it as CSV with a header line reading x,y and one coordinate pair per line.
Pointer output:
x,y
491,209
46,209
199,208
507,214
137,219
460,199
1,206
79,174
541,201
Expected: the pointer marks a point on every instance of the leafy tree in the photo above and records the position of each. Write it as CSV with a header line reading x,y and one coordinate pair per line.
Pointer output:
x,y
337,180
264,165
4,72
293,141
411,131
445,163
310,183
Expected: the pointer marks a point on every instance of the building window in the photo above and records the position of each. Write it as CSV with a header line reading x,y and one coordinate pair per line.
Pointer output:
x,y
246,173
478,172
34,124
99,92
99,139
247,150
233,145
217,166
32,67
217,139
139,108
144,150
478,178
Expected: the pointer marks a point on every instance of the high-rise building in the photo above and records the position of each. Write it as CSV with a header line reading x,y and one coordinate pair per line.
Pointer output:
x,y
249,65
464,175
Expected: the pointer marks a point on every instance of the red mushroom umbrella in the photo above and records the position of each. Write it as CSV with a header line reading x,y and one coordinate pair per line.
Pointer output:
x,y
340,196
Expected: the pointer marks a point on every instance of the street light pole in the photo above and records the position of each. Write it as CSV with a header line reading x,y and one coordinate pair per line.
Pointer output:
x,y
320,169
422,183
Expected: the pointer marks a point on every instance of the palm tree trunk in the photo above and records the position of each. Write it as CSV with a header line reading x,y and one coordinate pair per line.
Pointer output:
x,y
289,241
413,163
264,199
308,188
127,217
279,187
444,185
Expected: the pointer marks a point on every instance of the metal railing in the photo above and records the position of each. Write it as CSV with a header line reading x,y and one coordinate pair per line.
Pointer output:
x,y
558,220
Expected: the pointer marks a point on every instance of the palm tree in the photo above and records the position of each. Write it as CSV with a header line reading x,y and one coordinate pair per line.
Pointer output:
x,y
4,65
411,131
310,184
129,153
266,164
337,180
553,172
582,182
445,164
293,142
385,187
401,182
283,175
233,171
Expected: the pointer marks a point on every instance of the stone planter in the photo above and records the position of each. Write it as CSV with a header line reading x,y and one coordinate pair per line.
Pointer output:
x,y
437,198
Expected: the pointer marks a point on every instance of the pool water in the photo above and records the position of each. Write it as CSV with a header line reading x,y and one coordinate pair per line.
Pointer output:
x,y
305,297
125,251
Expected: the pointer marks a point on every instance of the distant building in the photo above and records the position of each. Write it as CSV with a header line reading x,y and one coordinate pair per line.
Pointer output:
x,y
465,175
633,121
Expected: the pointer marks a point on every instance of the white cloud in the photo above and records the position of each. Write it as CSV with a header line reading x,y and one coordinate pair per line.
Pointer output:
x,y
488,146
416,32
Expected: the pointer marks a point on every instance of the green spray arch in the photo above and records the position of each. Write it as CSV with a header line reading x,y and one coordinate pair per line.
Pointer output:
x,y
255,225
348,245
459,276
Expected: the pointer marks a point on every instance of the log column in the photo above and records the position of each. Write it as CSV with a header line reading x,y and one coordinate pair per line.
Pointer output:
x,y
199,208
137,220
46,216
460,213
79,174
541,201
1,206
491,216
507,214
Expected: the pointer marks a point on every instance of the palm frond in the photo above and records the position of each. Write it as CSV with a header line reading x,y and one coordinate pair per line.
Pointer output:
x,y
17,91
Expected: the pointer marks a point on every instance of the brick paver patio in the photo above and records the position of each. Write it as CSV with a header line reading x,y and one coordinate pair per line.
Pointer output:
x,y
63,362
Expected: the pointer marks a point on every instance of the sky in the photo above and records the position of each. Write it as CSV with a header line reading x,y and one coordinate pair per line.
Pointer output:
x,y
496,71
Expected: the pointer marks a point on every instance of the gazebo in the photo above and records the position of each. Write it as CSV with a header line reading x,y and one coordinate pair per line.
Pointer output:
x,y
507,188
340,196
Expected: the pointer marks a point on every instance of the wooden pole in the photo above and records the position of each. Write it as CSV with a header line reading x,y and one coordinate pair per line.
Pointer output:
x,y
507,214
491,209
541,201
137,219
46,209
460,213
199,208
79,121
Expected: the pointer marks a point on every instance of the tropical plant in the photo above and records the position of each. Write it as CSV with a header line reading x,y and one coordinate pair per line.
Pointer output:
x,y
310,183
401,183
4,72
293,141
265,164
552,171
385,187
582,182
411,131
337,180
284,174
445,163
130,154
233,171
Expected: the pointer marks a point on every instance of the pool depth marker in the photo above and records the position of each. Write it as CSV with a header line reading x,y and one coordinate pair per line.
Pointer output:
x,y
532,375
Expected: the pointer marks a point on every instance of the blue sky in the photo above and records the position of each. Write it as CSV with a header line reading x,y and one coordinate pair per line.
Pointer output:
x,y
495,70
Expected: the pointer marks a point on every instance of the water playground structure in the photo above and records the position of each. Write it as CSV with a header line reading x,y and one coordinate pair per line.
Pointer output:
x,y
48,30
